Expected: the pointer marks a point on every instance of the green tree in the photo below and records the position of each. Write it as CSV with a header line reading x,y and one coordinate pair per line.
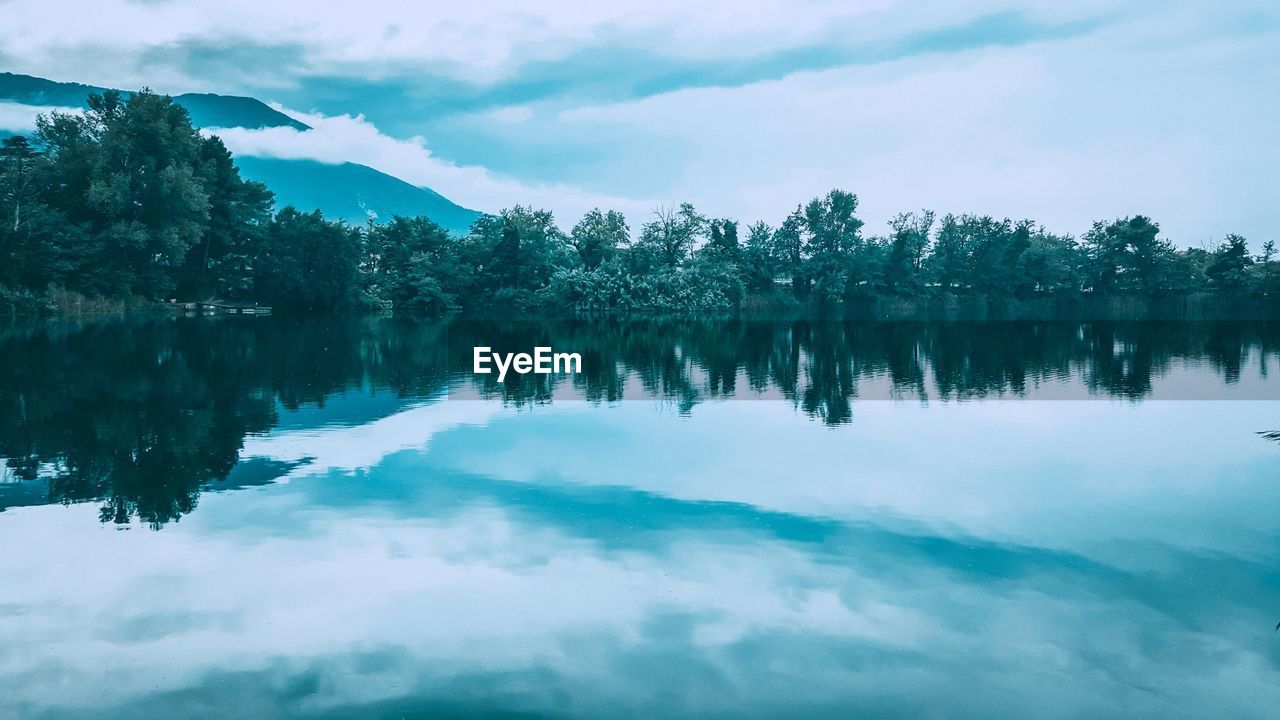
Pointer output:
x,y
1128,254
18,164
832,224
724,238
131,171
1265,259
995,247
789,251
832,233
908,243
221,263
948,264
513,254
761,260
309,263
1181,272
672,234
1228,272
1052,263
34,238
413,264
598,236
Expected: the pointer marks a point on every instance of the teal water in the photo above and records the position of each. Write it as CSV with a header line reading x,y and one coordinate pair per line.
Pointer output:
x,y
262,518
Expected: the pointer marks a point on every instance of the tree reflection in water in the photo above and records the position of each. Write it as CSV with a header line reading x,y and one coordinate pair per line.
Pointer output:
x,y
144,415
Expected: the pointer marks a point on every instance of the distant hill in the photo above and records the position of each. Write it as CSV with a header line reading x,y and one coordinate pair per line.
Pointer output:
x,y
206,110
227,111
348,191
352,192
30,90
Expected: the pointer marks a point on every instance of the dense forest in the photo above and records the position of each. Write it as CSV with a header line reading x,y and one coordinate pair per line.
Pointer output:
x,y
129,202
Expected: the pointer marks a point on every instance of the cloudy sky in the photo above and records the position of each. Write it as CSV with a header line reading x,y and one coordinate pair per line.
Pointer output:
x,y
1061,112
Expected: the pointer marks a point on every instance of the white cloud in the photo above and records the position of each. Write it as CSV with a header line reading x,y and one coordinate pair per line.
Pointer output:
x,y
360,447
19,118
346,138
1071,132
512,114
475,40
404,581
1158,111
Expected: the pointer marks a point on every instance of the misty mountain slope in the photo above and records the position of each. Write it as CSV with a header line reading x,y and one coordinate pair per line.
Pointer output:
x,y
351,192
347,191
208,110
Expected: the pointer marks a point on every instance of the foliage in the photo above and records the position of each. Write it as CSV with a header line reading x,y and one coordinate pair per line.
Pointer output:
x,y
131,173
1128,254
221,263
909,241
830,261
672,234
762,261
513,255
598,236
412,264
128,202
309,263
1229,269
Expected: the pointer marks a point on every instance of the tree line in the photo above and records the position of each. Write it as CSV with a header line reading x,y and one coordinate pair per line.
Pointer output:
x,y
129,200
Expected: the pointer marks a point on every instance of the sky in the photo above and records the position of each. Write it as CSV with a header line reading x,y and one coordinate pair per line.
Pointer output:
x,y
1064,113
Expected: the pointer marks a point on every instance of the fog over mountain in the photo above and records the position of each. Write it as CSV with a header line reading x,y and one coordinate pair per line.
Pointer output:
x,y
1063,113
342,190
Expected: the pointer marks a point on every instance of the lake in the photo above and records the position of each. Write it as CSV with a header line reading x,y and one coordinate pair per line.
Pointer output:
x,y
275,518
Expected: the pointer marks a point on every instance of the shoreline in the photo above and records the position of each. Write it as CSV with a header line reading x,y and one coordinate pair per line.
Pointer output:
x,y
1083,307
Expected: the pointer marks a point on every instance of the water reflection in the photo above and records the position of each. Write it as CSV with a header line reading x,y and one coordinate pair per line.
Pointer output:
x,y
552,564
394,549
822,367
143,416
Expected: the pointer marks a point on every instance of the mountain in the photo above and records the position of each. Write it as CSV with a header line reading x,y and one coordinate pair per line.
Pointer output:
x,y
30,90
206,110
347,191
352,192
223,111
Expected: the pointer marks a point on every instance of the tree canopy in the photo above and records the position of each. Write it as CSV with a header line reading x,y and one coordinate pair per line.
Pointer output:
x,y
129,200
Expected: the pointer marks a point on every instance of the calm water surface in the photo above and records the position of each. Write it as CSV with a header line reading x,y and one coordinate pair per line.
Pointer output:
x,y
264,518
